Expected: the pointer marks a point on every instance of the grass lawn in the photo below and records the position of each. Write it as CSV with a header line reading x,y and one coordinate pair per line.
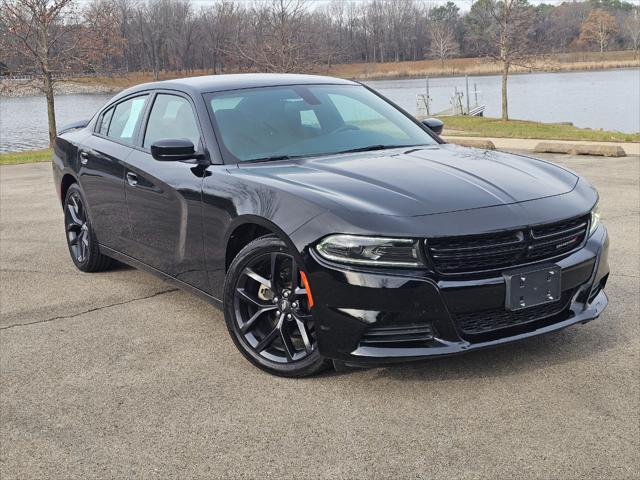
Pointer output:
x,y
25,157
493,127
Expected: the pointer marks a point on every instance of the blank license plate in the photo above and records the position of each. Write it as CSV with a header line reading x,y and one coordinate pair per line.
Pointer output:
x,y
534,287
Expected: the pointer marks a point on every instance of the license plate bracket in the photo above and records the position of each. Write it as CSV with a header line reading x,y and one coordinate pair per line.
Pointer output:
x,y
531,288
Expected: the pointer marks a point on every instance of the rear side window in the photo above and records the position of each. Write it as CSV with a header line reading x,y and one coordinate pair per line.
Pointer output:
x,y
105,119
125,119
171,117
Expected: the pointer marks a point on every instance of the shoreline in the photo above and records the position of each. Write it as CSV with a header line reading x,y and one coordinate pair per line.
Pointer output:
x,y
456,68
497,74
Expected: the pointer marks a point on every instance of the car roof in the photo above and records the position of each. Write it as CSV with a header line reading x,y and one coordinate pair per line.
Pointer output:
x,y
218,83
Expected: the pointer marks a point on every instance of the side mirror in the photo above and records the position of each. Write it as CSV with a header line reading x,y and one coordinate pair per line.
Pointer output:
x,y
434,125
173,150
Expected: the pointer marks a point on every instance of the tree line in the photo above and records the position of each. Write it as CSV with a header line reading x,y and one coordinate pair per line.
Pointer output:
x,y
293,35
48,38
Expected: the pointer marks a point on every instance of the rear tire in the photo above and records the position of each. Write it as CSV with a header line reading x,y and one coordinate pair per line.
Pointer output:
x,y
266,312
81,239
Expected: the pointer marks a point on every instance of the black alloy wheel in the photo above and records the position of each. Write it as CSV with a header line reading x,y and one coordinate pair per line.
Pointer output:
x,y
267,310
83,248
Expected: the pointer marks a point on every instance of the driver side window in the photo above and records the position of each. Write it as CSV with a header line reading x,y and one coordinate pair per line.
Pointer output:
x,y
171,117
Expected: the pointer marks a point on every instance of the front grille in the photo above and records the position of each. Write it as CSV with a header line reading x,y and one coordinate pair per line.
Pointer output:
x,y
497,318
478,253
397,336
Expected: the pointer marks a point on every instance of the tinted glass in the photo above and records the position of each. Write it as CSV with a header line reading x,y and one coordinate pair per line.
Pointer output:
x,y
126,117
171,117
105,119
357,113
306,120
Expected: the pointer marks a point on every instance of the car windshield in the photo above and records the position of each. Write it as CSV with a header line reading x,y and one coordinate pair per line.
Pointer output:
x,y
272,123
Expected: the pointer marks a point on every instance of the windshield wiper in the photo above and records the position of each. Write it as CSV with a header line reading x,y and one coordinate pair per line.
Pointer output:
x,y
368,148
371,148
272,158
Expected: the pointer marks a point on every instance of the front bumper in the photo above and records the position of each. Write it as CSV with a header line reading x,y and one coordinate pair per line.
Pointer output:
x,y
420,312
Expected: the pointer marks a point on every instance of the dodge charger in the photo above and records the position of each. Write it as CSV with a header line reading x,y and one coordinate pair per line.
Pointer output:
x,y
331,226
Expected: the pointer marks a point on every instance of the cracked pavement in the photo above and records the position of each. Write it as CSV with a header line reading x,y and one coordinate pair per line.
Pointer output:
x,y
121,375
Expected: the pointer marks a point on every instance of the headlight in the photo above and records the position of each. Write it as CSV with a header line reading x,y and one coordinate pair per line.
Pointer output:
x,y
356,250
595,220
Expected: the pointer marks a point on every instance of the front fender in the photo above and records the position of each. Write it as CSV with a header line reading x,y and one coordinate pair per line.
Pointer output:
x,y
230,202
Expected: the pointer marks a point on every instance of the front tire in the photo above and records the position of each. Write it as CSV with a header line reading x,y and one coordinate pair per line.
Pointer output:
x,y
266,310
81,240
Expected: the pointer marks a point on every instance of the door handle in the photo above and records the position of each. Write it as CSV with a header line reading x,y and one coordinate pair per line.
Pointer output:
x,y
132,179
84,158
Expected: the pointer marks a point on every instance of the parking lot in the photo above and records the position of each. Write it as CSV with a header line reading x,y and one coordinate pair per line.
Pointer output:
x,y
120,375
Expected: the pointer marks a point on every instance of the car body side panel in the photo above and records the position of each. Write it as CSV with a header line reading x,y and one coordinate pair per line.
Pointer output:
x,y
100,176
63,162
165,213
102,180
65,158
230,201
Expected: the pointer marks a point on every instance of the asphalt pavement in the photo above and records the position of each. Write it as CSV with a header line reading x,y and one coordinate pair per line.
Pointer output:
x,y
120,375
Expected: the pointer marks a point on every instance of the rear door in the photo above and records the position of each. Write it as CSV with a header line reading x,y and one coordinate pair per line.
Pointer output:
x,y
164,199
101,168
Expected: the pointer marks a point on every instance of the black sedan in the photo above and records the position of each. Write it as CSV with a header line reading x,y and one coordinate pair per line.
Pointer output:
x,y
330,224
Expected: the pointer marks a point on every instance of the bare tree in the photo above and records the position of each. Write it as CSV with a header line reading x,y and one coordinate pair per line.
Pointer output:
x,y
500,29
152,25
632,29
183,33
126,12
44,34
218,23
443,42
276,42
563,26
99,46
330,33
598,28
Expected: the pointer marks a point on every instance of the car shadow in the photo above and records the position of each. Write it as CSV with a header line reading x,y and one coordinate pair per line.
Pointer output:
x,y
120,267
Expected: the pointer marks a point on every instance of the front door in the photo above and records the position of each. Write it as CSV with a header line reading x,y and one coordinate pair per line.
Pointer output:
x,y
164,199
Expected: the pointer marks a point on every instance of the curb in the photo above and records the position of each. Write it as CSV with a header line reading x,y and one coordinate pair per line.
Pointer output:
x,y
475,143
580,149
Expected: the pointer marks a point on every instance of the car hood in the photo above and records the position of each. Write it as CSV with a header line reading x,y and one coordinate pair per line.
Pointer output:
x,y
416,181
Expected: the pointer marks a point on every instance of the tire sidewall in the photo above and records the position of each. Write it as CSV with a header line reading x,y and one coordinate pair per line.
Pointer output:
x,y
75,188
264,245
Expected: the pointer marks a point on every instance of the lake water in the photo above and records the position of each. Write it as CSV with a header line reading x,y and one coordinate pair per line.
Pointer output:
x,y
23,120
605,99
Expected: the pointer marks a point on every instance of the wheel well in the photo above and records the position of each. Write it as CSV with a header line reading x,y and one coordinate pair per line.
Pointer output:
x,y
242,236
67,181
